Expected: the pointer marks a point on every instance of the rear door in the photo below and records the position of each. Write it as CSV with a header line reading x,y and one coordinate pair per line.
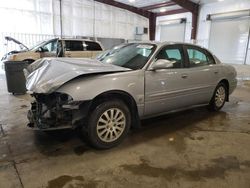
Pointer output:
x,y
84,49
203,73
93,47
74,48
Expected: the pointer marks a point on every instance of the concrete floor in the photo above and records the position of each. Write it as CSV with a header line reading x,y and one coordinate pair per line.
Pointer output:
x,y
194,148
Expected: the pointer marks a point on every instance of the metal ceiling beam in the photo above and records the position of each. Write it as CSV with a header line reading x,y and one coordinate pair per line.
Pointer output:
x,y
194,26
151,16
130,8
194,9
170,12
152,26
188,5
159,5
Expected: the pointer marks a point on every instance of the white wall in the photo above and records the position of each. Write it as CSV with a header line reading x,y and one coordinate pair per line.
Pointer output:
x,y
94,19
26,16
163,19
31,21
215,8
203,25
80,18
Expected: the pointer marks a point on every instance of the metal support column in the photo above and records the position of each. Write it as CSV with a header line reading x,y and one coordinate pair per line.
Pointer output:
x,y
61,30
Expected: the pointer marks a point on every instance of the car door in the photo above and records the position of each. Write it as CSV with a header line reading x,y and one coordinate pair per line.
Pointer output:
x,y
203,73
84,49
74,48
167,89
93,47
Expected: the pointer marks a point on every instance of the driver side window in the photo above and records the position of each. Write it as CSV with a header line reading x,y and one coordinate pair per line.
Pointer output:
x,y
50,47
172,54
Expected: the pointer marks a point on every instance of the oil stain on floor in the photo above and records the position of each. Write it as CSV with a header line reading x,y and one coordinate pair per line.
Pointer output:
x,y
71,181
218,169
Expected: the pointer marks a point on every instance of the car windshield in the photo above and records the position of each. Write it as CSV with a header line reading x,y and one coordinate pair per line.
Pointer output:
x,y
38,44
133,56
41,44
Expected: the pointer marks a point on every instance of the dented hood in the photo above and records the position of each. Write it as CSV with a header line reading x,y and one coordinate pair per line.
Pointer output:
x,y
48,74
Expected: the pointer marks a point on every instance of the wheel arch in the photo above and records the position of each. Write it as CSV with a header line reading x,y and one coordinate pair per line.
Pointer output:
x,y
121,95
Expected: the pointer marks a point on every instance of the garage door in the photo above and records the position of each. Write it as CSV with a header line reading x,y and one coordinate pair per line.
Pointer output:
x,y
172,32
229,39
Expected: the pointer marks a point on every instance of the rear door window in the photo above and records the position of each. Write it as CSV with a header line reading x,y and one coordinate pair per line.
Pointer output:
x,y
199,57
74,45
92,46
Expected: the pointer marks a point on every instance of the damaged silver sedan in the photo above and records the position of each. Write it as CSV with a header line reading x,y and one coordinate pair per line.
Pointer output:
x,y
108,96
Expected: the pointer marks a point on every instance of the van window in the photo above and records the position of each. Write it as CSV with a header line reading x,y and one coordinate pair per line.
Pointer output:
x,y
92,46
73,45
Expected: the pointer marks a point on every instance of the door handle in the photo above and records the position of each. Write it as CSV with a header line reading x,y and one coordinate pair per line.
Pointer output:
x,y
184,75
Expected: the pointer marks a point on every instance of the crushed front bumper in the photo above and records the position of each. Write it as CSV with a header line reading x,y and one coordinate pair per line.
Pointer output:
x,y
54,111
46,120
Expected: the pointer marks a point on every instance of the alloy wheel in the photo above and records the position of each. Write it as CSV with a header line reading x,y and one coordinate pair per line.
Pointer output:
x,y
220,96
111,125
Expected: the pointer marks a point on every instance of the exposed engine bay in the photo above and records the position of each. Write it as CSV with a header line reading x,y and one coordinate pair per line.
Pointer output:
x,y
55,111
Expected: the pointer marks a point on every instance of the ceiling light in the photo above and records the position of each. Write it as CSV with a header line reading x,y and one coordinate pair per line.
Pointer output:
x,y
131,1
162,10
220,0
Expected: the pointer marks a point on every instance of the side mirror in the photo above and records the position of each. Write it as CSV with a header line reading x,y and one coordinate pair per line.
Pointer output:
x,y
162,64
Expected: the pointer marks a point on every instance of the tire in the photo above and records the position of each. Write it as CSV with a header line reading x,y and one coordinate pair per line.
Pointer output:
x,y
29,61
219,97
105,130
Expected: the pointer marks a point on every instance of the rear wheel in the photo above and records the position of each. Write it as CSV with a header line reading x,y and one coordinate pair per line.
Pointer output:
x,y
219,98
108,124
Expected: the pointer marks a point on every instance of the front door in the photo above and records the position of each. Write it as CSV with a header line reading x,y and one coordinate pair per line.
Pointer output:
x,y
49,49
167,89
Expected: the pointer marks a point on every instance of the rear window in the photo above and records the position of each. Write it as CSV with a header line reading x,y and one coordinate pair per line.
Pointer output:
x,y
82,46
73,45
93,46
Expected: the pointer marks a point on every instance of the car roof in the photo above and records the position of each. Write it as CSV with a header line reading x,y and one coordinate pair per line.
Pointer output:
x,y
74,39
159,43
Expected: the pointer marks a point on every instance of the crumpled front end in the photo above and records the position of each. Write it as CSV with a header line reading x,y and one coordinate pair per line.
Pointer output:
x,y
55,111
48,74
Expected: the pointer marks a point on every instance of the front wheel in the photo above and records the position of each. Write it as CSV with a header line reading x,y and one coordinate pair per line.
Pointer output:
x,y
108,124
219,98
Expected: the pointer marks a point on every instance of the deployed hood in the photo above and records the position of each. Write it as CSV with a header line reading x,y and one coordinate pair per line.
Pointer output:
x,y
22,46
48,74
